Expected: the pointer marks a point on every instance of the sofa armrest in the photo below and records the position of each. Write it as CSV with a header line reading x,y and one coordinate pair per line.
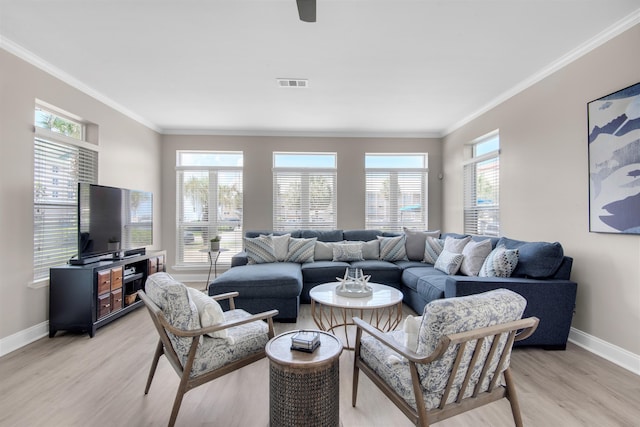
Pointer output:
x,y
552,301
239,259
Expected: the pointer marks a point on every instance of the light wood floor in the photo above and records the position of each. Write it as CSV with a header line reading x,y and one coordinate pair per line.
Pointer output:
x,y
72,380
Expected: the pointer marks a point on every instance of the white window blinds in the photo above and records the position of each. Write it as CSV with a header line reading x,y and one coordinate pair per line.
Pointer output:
x,y
396,186
482,187
209,203
58,167
304,191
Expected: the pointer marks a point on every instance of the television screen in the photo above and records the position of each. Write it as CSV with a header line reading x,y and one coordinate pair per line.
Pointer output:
x,y
111,220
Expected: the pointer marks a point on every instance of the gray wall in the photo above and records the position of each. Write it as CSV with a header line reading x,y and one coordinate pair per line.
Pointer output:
x,y
258,176
129,157
544,193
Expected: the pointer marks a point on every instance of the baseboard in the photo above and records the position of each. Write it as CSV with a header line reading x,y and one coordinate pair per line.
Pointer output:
x,y
24,337
608,351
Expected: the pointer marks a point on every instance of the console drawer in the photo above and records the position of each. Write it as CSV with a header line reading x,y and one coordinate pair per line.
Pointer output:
x,y
104,305
116,299
116,278
104,281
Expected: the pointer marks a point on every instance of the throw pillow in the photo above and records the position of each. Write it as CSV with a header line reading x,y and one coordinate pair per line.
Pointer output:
x,y
432,249
415,241
392,248
347,252
474,255
301,250
371,249
456,245
209,311
448,262
500,263
323,251
537,260
260,249
280,245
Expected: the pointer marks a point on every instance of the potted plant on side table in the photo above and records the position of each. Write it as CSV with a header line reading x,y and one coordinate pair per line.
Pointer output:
x,y
214,244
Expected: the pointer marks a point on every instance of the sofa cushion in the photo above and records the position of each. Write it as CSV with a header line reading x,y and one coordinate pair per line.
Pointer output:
x,y
322,235
411,275
432,249
432,286
281,279
260,249
384,272
475,252
348,252
500,263
415,242
537,260
323,271
361,235
392,248
301,250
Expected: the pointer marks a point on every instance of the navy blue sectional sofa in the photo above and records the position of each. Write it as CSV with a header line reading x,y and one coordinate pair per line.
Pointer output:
x,y
542,276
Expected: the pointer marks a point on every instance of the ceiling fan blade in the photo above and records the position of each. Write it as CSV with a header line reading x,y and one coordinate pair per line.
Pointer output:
x,y
307,10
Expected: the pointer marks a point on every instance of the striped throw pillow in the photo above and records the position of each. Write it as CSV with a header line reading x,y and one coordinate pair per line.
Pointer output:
x,y
392,248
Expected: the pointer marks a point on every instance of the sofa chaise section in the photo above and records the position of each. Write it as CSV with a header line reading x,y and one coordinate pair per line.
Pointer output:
x,y
263,287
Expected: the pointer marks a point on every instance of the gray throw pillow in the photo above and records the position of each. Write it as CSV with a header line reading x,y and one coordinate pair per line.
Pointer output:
x,y
415,241
474,255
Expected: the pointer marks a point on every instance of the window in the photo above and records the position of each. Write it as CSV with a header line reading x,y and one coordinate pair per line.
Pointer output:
x,y
482,186
61,159
209,203
396,191
304,191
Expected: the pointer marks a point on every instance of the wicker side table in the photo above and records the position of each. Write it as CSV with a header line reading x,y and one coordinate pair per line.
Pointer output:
x,y
304,388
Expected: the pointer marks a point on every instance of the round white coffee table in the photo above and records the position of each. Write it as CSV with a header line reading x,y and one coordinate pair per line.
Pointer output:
x,y
332,312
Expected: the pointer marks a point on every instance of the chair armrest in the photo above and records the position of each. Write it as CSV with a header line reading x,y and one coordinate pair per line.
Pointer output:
x,y
220,326
226,295
402,350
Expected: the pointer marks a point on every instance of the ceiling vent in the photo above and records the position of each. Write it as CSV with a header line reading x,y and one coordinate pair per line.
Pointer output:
x,y
301,83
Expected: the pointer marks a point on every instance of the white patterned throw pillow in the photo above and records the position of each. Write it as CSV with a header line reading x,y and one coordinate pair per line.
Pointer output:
x,y
348,252
448,262
301,250
260,249
500,263
392,248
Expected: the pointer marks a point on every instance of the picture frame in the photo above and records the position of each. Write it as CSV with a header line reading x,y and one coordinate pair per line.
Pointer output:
x,y
614,162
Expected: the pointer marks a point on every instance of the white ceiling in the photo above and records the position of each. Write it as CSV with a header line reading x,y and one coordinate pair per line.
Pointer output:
x,y
375,67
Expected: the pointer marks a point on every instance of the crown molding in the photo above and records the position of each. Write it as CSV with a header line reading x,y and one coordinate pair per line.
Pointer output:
x,y
45,66
299,134
591,44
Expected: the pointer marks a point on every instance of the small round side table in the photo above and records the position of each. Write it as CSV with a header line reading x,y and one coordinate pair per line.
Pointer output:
x,y
304,388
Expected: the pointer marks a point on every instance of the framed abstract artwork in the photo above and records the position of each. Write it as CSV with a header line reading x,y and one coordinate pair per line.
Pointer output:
x,y
614,162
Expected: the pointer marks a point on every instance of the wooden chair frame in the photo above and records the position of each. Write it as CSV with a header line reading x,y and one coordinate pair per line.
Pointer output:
x,y
423,417
164,347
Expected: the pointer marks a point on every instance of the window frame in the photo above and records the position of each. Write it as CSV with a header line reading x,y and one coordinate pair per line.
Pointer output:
x,y
54,244
473,208
392,210
285,174
230,230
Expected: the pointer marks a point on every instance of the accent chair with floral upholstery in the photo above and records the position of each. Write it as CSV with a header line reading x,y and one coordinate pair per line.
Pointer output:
x,y
459,362
199,340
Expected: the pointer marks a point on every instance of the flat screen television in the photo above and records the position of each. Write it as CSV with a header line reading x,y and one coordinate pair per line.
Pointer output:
x,y
112,221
